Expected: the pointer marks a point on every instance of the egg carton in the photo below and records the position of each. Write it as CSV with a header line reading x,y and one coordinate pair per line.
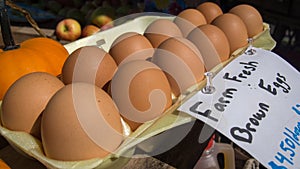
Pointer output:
x,y
31,147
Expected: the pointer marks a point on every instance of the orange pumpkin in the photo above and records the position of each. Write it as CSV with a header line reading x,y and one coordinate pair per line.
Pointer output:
x,y
37,54
51,50
33,55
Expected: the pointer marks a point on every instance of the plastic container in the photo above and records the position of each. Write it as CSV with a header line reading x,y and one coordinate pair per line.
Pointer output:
x,y
209,158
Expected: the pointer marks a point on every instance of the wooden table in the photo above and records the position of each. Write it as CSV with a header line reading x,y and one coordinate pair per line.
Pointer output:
x,y
21,34
17,161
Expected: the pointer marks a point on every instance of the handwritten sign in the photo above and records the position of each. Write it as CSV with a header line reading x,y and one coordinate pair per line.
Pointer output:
x,y
257,105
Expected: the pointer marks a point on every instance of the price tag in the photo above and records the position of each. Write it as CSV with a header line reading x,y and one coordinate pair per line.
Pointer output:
x,y
256,104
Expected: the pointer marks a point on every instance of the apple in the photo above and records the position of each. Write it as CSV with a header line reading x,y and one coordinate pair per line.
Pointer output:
x,y
101,20
89,30
105,9
68,29
107,26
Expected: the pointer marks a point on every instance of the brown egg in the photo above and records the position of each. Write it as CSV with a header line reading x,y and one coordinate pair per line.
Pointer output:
x,y
188,19
141,91
251,17
212,44
80,122
234,29
89,64
160,30
182,62
210,10
26,99
131,46
123,37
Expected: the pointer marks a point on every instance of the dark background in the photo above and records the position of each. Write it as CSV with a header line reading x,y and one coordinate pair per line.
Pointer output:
x,y
283,16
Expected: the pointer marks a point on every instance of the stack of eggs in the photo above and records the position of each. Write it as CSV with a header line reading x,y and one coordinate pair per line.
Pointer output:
x,y
82,115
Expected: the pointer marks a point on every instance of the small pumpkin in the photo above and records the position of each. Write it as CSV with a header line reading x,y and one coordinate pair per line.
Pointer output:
x,y
37,54
50,50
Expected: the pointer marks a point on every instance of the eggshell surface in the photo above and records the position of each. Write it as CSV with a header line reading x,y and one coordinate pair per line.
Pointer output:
x,y
188,19
251,17
182,62
210,10
141,91
160,30
234,29
26,99
212,44
89,64
80,122
131,46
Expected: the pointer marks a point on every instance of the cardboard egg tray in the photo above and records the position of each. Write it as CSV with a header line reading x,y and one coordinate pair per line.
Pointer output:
x,y
32,147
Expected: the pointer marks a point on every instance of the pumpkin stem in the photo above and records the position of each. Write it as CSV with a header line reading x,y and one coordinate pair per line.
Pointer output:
x,y
5,28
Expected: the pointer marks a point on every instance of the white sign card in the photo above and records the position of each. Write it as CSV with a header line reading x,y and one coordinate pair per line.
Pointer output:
x,y
256,104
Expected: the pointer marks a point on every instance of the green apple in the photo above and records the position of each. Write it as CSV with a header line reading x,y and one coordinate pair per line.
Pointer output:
x,y
68,29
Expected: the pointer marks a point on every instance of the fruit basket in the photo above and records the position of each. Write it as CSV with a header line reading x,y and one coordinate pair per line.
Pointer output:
x,y
32,147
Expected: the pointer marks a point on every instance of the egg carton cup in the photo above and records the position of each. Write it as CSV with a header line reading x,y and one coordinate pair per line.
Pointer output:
x,y
32,147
